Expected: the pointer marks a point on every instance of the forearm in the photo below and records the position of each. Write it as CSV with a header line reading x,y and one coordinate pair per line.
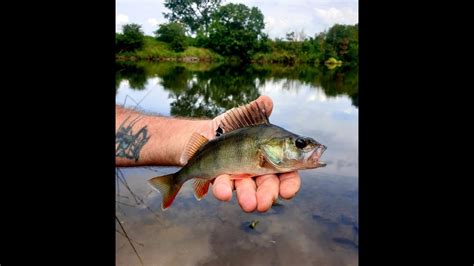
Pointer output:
x,y
151,140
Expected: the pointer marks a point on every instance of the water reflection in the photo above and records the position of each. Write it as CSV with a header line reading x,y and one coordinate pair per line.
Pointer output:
x,y
315,228
208,91
211,92
133,73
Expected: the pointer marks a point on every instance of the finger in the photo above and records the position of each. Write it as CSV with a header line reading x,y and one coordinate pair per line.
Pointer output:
x,y
267,103
267,191
289,184
222,188
246,194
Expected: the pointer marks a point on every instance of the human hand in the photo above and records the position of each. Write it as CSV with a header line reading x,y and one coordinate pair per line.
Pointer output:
x,y
254,193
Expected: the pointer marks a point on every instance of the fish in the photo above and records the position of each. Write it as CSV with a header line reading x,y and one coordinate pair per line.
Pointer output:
x,y
246,145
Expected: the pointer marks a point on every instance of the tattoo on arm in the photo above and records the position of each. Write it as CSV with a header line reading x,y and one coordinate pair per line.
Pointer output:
x,y
129,144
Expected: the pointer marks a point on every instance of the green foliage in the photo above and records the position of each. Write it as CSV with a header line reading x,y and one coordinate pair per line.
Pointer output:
x,y
194,14
333,60
131,39
342,41
178,44
174,34
236,30
263,44
169,31
290,36
154,50
133,73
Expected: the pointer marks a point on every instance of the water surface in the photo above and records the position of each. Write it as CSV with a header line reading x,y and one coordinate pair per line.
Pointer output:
x,y
318,227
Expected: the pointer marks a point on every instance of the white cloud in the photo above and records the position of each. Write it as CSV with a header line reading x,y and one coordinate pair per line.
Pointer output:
x,y
154,22
278,26
248,3
281,16
348,111
273,25
333,15
120,19
269,22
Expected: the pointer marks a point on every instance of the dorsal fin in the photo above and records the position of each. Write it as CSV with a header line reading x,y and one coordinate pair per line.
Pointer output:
x,y
195,142
251,114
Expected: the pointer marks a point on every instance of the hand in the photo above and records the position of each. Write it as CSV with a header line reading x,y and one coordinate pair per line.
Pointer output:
x,y
262,192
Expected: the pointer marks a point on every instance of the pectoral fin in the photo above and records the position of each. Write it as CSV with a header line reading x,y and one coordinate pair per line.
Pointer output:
x,y
195,142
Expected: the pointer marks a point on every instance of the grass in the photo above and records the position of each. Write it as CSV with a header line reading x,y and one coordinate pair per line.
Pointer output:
x,y
154,50
284,57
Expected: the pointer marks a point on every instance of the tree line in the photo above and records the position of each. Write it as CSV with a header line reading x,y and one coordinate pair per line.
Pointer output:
x,y
237,31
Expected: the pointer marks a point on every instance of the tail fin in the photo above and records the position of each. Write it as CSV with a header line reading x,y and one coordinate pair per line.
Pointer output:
x,y
168,188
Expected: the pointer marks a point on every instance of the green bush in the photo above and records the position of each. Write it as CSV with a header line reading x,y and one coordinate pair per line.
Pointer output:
x,y
174,34
131,39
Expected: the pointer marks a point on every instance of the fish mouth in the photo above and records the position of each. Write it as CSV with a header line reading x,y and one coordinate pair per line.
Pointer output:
x,y
315,157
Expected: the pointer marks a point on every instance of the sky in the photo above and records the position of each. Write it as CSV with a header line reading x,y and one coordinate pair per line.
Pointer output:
x,y
281,16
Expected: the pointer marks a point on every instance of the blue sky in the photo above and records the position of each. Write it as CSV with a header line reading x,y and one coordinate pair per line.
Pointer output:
x,y
281,16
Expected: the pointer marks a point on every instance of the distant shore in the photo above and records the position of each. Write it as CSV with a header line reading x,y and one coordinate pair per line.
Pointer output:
x,y
156,51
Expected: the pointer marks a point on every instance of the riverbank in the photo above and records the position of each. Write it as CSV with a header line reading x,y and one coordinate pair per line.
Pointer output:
x,y
154,50
157,51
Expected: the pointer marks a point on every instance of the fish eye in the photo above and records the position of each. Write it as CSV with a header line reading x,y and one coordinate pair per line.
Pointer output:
x,y
300,143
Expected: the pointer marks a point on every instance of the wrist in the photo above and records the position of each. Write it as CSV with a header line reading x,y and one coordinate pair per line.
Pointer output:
x,y
169,137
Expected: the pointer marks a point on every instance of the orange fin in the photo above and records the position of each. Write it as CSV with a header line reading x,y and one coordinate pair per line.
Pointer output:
x,y
241,176
200,187
167,187
248,115
195,142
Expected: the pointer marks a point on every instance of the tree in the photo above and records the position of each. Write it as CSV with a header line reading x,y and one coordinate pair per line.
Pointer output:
x,y
344,41
131,39
290,36
174,34
236,30
296,36
193,13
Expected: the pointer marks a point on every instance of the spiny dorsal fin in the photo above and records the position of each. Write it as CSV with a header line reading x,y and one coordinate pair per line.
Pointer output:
x,y
195,142
200,187
248,115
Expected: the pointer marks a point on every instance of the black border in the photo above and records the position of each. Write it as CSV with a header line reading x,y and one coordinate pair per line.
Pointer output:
x,y
61,135
409,107
58,186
